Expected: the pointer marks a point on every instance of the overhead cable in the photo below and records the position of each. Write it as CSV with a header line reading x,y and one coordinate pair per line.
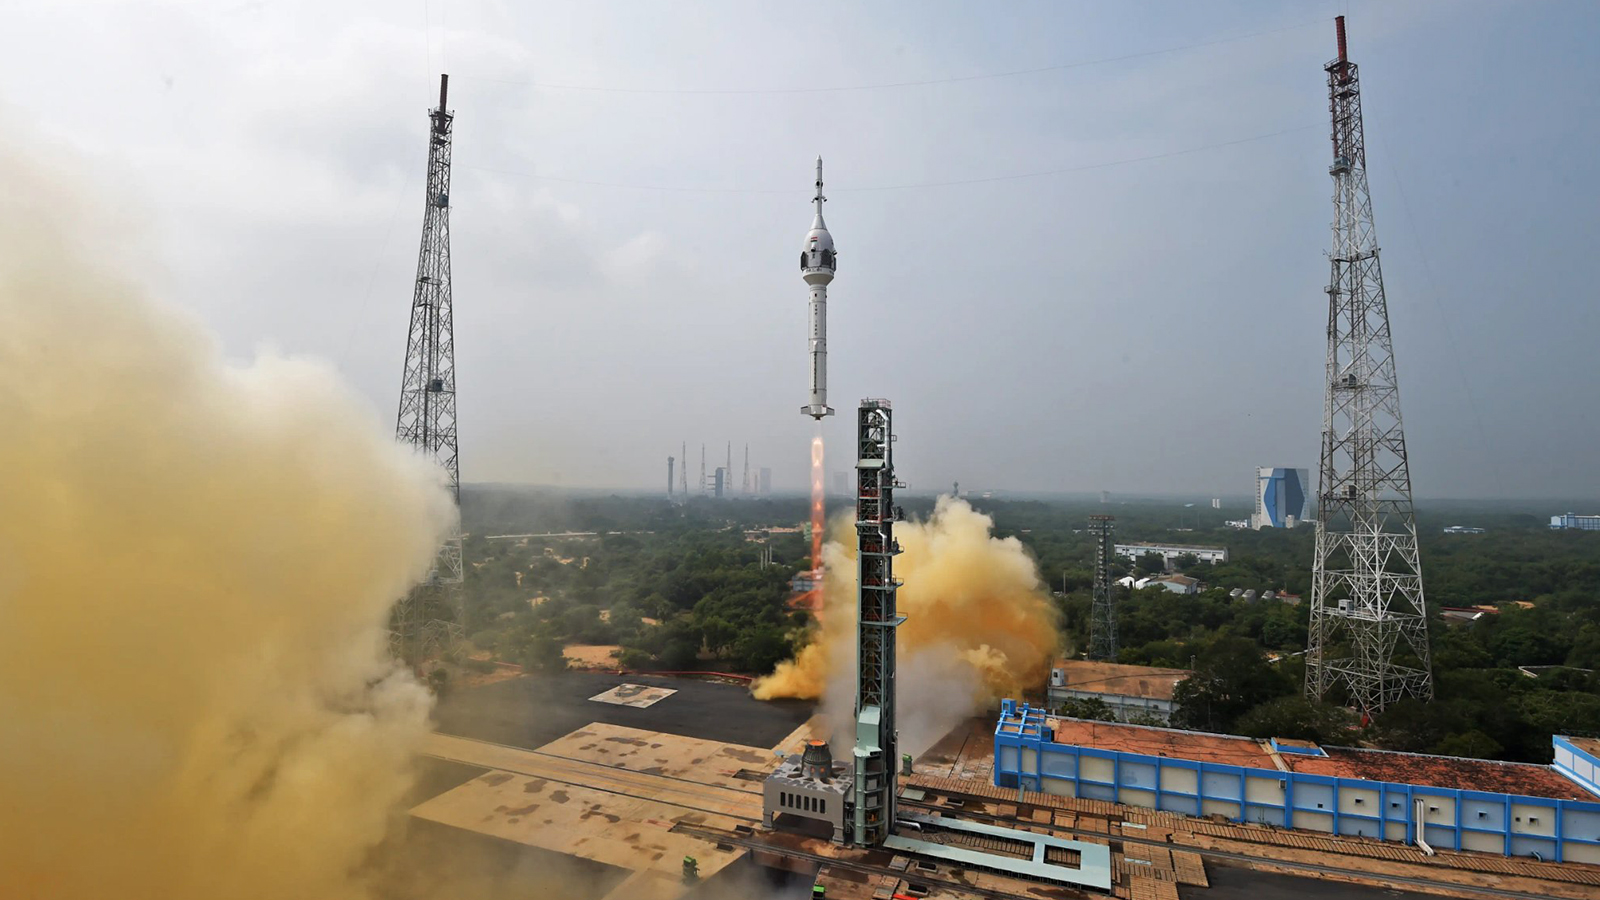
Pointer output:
x,y
953,79
1044,173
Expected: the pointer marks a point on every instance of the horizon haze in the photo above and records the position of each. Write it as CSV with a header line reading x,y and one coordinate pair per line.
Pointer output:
x,y
1081,247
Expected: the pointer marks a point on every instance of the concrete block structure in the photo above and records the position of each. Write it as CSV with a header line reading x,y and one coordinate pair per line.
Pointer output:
x,y
1515,809
809,785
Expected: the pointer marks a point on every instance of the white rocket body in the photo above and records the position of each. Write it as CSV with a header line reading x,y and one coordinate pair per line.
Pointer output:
x,y
817,265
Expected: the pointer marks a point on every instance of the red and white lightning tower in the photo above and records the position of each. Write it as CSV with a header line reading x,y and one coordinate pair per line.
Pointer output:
x,y
1369,629
428,621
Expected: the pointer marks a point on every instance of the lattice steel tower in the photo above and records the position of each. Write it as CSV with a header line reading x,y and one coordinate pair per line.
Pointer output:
x,y
876,748
1369,630
1102,614
428,621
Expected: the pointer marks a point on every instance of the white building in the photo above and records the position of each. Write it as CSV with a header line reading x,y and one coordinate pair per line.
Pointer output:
x,y
1171,552
1177,584
1132,692
1582,523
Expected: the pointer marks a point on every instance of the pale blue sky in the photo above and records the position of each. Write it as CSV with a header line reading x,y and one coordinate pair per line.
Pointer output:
x,y
1150,326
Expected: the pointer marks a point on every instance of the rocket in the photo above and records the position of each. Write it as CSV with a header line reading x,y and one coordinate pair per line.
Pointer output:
x,y
817,265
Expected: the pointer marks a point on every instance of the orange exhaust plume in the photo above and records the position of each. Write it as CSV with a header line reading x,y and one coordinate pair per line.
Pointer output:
x,y
980,625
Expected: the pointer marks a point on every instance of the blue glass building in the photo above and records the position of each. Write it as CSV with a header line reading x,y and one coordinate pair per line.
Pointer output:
x,y
1282,498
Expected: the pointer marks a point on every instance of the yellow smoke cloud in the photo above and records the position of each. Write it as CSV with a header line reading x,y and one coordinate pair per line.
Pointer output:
x,y
196,563
979,625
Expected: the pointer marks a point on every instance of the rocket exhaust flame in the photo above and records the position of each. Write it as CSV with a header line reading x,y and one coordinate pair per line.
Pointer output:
x,y
811,599
819,522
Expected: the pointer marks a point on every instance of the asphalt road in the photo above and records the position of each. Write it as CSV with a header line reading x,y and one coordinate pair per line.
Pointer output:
x,y
534,710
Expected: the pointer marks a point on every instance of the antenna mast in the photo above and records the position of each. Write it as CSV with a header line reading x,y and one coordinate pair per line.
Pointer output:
x,y
1369,629
1103,612
428,620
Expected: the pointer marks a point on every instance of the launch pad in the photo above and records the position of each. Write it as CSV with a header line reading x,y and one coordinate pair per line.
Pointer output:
x,y
639,800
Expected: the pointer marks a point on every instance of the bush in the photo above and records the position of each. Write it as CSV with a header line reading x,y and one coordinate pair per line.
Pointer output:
x,y
680,655
634,658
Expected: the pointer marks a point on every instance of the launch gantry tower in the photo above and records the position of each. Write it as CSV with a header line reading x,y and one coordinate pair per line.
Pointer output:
x,y
428,620
1369,631
1103,612
876,741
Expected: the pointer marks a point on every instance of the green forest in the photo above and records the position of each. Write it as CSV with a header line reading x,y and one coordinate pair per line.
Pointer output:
x,y
683,587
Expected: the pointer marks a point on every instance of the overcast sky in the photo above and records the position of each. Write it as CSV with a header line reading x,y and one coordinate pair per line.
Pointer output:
x,y
1147,318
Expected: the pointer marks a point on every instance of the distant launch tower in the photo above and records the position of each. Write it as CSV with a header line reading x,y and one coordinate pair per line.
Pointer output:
x,y
876,748
1366,589
683,473
670,461
817,265
1103,612
429,619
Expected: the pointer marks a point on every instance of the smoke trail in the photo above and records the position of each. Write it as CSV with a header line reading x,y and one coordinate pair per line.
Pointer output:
x,y
196,563
979,625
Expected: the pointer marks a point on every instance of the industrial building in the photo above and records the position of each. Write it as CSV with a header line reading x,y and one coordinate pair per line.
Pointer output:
x,y
1515,809
1283,498
1176,584
1170,552
1581,523
1134,693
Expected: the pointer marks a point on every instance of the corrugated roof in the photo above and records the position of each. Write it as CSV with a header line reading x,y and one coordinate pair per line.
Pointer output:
x,y
1114,678
1454,773
1450,772
1169,742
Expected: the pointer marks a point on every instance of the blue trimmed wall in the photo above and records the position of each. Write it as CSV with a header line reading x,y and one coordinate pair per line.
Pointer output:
x,y
1026,756
1578,764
